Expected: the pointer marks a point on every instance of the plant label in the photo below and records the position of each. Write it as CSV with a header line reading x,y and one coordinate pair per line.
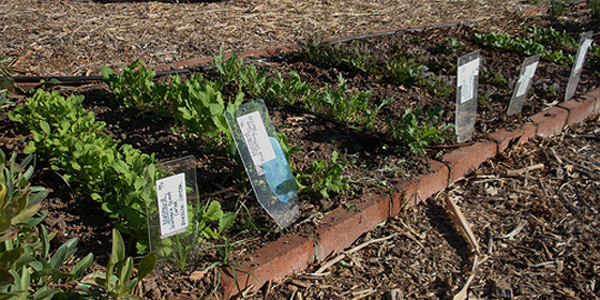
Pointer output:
x,y
584,44
256,139
467,78
171,196
172,205
528,69
265,162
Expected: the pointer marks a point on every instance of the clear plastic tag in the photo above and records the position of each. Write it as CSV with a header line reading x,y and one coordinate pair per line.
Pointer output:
x,y
584,44
528,69
172,213
467,78
265,162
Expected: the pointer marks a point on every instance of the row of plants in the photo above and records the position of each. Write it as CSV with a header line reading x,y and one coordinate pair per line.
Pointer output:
x,y
90,162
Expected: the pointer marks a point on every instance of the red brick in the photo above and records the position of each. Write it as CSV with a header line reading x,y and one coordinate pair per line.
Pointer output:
x,y
551,121
253,54
507,138
206,61
595,94
403,194
579,109
342,226
163,67
280,50
433,182
278,259
466,159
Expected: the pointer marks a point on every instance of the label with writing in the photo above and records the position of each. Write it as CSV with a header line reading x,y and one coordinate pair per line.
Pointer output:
x,y
466,79
256,138
172,205
523,82
581,54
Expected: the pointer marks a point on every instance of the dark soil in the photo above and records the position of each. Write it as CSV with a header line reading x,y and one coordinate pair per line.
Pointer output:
x,y
375,160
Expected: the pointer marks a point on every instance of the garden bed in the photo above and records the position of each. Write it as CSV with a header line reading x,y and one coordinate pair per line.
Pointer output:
x,y
414,68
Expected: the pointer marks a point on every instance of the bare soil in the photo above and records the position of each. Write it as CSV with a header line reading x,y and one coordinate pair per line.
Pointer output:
x,y
553,254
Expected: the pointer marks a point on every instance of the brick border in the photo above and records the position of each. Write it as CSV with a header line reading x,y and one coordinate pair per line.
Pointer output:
x,y
344,225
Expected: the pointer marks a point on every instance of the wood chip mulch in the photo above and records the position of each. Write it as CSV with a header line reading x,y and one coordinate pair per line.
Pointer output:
x,y
533,210
76,37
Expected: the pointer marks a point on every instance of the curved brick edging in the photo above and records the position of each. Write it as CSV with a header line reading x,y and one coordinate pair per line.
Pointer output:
x,y
341,227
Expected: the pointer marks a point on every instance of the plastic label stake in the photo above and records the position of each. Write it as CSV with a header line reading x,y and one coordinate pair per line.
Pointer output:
x,y
171,196
466,95
584,44
528,69
256,139
172,205
264,161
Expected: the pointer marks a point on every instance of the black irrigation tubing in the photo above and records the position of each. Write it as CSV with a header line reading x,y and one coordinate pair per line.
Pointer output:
x,y
76,79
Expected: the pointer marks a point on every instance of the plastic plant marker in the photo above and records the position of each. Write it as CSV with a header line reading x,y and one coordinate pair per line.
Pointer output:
x,y
528,69
466,95
172,208
172,205
584,44
264,161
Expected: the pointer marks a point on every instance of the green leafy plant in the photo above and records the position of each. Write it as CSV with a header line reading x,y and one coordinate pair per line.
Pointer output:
x,y
201,107
449,45
351,57
117,282
133,85
27,270
325,177
6,82
229,68
522,46
404,70
90,161
213,223
346,107
551,36
417,131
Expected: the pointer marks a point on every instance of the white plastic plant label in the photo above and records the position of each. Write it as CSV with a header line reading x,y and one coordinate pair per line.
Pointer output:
x,y
265,162
467,78
526,78
584,44
256,138
528,69
172,205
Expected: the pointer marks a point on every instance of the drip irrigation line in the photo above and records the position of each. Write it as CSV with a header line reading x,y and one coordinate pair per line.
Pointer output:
x,y
87,79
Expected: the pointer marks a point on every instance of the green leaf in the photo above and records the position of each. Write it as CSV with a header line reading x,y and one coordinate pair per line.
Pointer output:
x,y
9,296
30,148
126,271
82,265
5,277
46,293
214,211
146,265
96,197
64,251
227,221
8,257
45,127
118,248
